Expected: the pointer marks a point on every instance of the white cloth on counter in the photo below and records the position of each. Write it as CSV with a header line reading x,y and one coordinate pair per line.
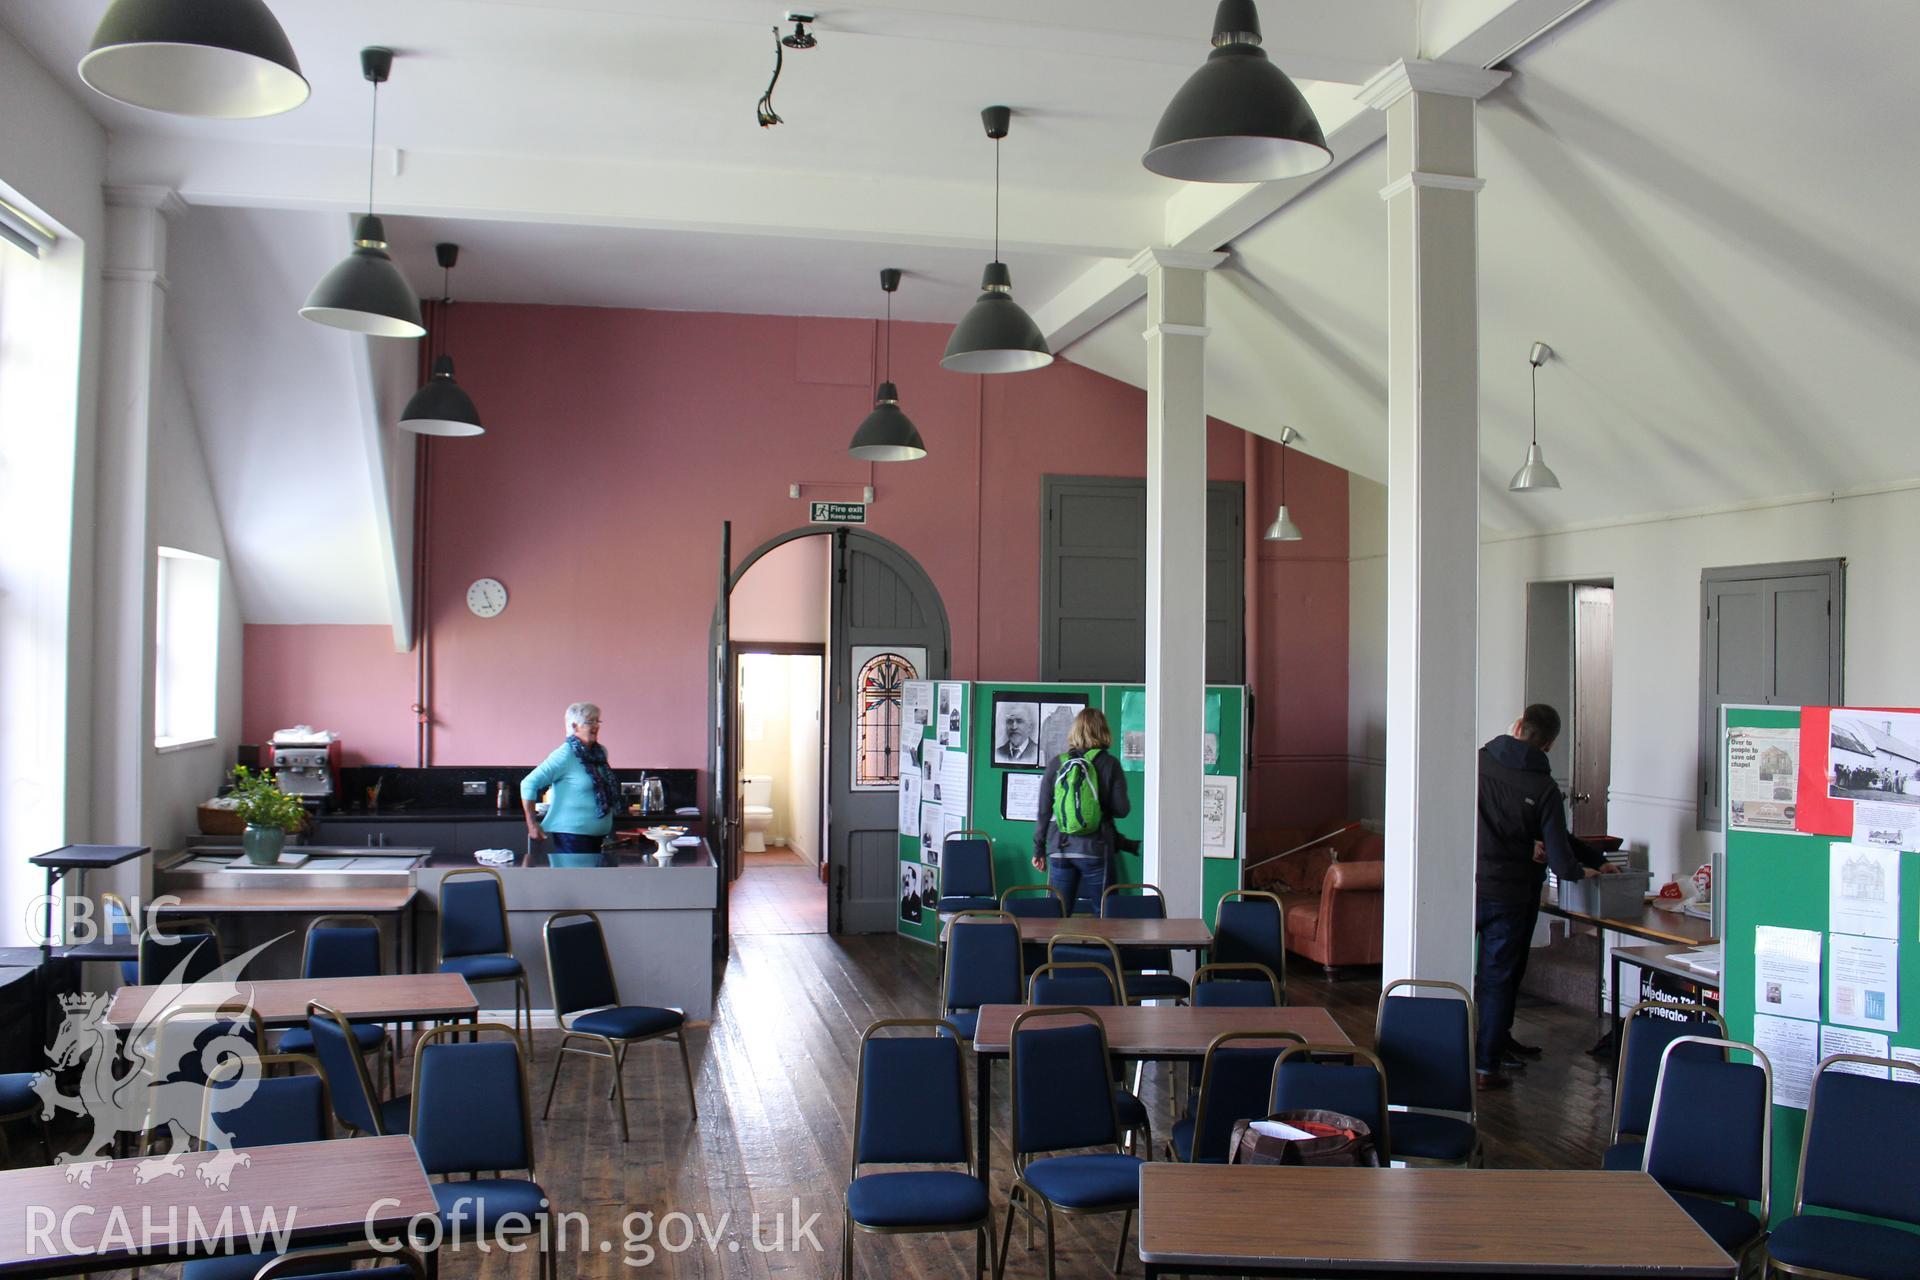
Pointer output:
x,y
495,857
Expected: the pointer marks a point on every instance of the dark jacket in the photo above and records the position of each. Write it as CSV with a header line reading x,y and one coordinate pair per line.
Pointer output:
x,y
1048,841
1520,803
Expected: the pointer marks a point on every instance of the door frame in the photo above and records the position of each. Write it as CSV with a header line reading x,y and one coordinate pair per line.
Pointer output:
x,y
794,649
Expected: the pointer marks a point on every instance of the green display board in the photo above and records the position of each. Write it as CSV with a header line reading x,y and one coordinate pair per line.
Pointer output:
x,y
1053,706
1782,878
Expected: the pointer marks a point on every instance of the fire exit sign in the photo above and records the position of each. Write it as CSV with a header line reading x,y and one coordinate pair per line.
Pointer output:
x,y
837,512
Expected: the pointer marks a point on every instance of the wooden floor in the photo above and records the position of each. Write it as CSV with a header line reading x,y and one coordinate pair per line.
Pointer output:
x,y
775,1075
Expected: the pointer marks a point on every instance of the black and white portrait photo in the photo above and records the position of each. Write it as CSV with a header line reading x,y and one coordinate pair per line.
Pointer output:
x,y
1016,726
910,892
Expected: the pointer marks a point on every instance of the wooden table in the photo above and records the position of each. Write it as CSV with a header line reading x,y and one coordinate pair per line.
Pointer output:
x,y
1271,1220
1180,934
394,997
325,1190
1674,928
1137,1031
1659,960
317,901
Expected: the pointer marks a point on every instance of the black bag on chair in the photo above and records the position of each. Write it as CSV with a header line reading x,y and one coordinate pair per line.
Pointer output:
x,y
1337,1141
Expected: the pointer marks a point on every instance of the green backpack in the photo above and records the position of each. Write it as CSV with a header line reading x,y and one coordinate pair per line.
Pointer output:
x,y
1076,795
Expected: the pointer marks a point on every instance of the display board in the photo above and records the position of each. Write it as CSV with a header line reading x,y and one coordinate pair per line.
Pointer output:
x,y
1002,739
1822,895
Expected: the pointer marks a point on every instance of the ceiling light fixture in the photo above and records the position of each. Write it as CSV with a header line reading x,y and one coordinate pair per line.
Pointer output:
x,y
799,40
442,407
1238,118
996,336
222,59
366,293
887,434
1535,474
1283,529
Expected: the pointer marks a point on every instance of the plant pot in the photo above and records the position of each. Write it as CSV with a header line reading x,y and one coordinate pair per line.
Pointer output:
x,y
263,844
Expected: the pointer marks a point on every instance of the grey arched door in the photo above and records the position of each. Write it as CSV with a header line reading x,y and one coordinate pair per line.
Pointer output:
x,y
881,599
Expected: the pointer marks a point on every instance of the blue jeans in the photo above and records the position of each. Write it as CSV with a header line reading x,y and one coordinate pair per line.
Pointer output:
x,y
1506,932
1077,878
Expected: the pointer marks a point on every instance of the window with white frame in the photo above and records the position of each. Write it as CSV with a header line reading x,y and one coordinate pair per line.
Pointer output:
x,y
186,655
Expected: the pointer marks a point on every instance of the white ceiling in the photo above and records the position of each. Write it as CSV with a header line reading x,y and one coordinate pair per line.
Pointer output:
x,y
1691,203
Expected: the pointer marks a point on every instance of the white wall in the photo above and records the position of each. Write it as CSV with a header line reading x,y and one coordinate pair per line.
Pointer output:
x,y
804,754
1655,566
1366,648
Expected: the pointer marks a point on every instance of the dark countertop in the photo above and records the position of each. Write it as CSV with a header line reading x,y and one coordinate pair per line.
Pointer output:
x,y
481,814
628,858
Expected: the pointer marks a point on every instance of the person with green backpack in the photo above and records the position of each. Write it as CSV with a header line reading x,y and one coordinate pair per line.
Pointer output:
x,y
1084,791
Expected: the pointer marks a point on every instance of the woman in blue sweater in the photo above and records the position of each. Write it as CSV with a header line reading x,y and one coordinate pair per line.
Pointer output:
x,y
580,810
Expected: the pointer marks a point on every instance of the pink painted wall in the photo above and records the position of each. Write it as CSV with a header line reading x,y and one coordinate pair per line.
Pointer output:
x,y
619,440
783,597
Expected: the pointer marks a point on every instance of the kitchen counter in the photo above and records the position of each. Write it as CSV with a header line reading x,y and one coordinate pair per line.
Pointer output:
x,y
623,858
483,813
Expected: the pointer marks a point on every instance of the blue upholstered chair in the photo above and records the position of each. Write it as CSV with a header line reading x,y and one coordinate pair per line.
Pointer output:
x,y
966,874
343,946
1234,1081
1236,986
1149,974
1710,1139
910,1107
119,925
983,967
1087,948
1091,986
400,1264
475,941
1250,927
593,1022
471,1117
272,1110
1860,1155
1040,902
355,1105
1426,1044
1645,1033
189,1043
18,1101
190,945
1063,1101
1334,1077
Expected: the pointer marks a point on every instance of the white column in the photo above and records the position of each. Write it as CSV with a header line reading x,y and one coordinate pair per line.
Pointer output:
x,y
1176,569
134,314
1433,513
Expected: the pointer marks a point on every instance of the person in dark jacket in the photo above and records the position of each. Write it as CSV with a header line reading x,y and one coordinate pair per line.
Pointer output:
x,y
1523,832
1076,865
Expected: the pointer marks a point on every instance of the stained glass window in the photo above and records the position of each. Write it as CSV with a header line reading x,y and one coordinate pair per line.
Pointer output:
x,y
876,720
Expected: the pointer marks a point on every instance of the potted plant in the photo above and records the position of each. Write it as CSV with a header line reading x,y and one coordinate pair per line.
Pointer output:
x,y
269,813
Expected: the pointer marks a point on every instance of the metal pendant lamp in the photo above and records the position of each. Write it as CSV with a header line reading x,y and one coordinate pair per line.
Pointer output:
x,y
887,434
996,335
366,293
1283,529
1535,474
442,407
222,59
1238,118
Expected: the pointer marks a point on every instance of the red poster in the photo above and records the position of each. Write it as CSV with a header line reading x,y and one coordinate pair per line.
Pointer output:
x,y
1815,811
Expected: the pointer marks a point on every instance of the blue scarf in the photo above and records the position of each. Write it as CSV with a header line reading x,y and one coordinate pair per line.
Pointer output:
x,y
594,760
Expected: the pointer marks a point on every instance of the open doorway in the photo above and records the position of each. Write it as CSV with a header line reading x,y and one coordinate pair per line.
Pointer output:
x,y
1570,668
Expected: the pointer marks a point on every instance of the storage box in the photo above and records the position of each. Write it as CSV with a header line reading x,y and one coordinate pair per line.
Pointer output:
x,y
1619,897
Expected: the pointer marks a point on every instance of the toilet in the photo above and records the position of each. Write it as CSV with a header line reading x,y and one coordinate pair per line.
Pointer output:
x,y
756,810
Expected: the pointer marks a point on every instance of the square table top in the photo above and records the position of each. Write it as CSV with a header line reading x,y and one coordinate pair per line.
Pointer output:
x,y
394,997
323,1189
70,856
1169,1031
1287,1220
1123,931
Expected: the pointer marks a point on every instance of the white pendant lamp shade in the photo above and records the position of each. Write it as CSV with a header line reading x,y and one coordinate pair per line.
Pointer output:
x,y
1283,529
887,434
996,335
1534,474
1238,118
224,59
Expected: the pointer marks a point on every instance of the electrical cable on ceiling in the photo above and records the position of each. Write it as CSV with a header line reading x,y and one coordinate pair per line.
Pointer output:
x,y
799,39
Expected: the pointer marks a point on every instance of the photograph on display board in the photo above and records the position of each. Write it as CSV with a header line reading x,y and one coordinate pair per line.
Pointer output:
x,y
910,892
1056,722
929,887
1016,725
1874,756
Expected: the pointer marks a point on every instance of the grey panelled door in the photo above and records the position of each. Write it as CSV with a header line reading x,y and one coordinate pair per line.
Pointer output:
x,y
1770,634
1093,581
880,597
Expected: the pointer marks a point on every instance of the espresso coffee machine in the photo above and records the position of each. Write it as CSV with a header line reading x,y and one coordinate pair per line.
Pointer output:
x,y
306,762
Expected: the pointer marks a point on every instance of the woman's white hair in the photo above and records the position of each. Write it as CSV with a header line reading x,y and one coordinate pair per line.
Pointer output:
x,y
581,712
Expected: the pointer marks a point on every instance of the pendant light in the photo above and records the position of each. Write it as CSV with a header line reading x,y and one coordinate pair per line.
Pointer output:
x,y
366,293
223,59
1238,118
996,335
1535,474
442,407
1283,529
887,434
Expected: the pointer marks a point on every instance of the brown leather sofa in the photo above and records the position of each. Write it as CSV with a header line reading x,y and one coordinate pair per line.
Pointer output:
x,y
1332,892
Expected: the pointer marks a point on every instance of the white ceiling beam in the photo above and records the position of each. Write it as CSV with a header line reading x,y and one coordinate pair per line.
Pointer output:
x,y
594,192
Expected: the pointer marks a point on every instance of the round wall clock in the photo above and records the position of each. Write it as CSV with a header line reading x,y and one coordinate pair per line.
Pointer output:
x,y
487,597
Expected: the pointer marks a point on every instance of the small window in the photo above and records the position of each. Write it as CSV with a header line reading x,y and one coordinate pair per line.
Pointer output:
x,y
186,658
876,757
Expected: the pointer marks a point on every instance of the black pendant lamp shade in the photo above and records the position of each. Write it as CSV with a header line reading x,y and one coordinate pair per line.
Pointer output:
x,y
996,335
887,434
225,59
1238,118
442,407
366,293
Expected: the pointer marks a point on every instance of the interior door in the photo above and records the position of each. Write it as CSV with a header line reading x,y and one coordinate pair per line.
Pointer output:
x,y
1592,708
880,597
720,804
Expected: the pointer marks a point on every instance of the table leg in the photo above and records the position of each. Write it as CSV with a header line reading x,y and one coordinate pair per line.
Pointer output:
x,y
983,1118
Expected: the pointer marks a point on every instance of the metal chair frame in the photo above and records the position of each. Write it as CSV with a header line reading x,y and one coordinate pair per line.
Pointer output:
x,y
317,1010
1311,1049
1766,1128
613,1048
1690,1007
301,1261
523,995
1477,1158
983,1228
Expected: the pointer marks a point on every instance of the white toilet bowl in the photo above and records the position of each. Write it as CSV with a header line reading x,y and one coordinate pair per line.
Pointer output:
x,y
756,811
